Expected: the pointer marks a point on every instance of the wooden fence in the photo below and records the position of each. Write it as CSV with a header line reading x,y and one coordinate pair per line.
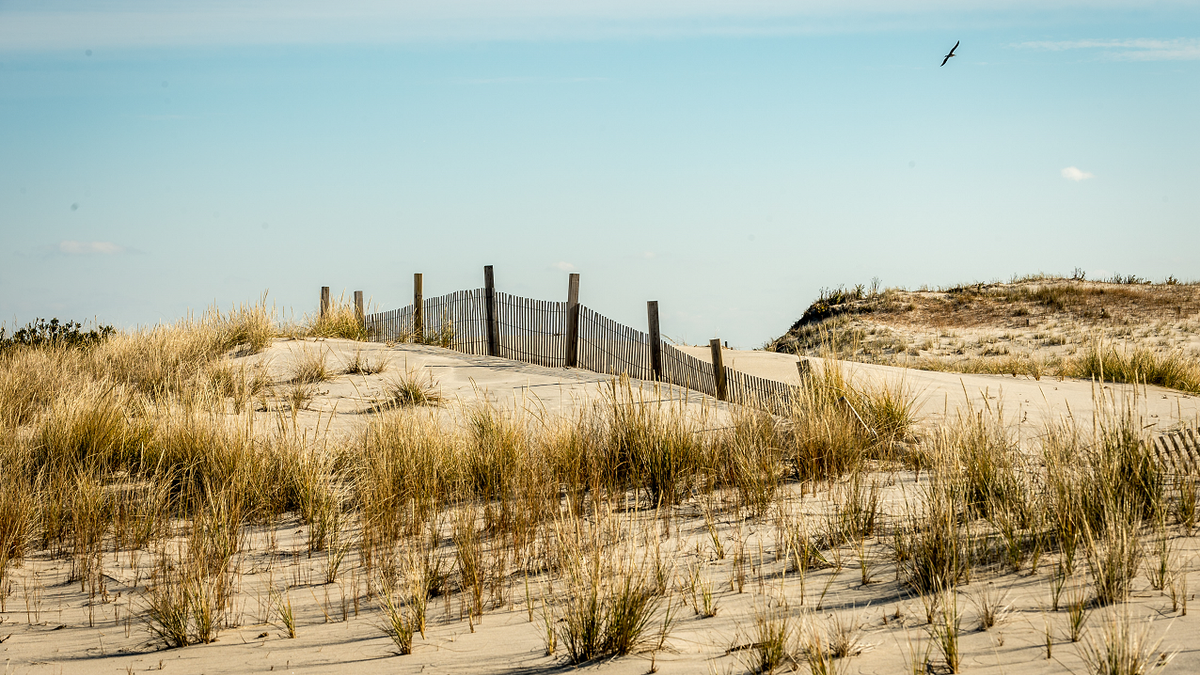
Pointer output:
x,y
485,321
558,334
606,346
532,331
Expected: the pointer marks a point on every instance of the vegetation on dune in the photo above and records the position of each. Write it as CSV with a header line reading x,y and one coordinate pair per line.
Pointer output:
x,y
143,451
41,333
1124,329
340,321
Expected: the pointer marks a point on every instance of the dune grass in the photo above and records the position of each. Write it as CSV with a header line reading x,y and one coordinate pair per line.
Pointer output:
x,y
130,446
1140,365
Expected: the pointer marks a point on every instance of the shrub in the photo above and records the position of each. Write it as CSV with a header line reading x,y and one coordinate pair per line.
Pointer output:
x,y
52,333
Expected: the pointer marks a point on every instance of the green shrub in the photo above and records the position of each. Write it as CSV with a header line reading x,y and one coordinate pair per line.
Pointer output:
x,y
52,333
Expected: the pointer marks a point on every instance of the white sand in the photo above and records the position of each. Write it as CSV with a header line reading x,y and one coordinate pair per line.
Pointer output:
x,y
1025,401
49,626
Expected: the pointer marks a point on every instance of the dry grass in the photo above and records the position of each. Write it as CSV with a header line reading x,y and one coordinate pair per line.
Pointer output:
x,y
312,366
1122,648
410,389
340,321
1138,364
107,457
1035,327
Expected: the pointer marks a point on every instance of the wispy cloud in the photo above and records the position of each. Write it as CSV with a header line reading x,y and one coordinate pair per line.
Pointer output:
x,y
1140,49
564,266
75,24
1076,174
71,247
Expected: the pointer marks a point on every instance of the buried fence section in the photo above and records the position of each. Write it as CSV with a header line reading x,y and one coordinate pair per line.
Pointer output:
x,y
1178,451
685,370
532,331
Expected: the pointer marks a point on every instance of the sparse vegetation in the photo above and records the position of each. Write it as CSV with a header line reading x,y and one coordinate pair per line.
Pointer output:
x,y
156,466
408,389
1122,648
52,333
1036,326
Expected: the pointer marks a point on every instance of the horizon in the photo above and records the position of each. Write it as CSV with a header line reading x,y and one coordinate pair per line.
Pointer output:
x,y
729,160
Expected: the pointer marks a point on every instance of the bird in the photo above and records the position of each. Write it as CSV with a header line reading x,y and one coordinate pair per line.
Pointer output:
x,y
950,54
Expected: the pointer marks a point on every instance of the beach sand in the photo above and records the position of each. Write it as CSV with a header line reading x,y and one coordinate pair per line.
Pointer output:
x,y
51,625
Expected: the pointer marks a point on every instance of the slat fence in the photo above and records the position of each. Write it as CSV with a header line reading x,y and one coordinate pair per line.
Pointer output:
x,y
606,346
534,331
393,325
751,390
685,370
458,319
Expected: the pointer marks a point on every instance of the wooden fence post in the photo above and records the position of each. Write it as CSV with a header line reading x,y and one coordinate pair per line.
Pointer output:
x,y
418,309
358,309
324,302
655,339
572,321
803,367
718,369
493,330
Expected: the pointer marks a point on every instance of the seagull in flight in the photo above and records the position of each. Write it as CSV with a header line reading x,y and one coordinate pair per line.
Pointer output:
x,y
948,56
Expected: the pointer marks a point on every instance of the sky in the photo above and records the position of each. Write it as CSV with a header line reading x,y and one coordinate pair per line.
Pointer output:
x,y
726,158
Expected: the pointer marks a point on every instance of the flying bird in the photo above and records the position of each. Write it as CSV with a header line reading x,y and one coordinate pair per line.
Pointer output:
x,y
948,56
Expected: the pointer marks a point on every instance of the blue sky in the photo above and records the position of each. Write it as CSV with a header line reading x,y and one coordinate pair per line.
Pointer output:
x,y
727,159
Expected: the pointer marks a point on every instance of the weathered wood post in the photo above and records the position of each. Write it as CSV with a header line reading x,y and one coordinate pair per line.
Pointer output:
x,y
324,303
803,367
718,369
418,309
493,329
358,309
572,321
655,339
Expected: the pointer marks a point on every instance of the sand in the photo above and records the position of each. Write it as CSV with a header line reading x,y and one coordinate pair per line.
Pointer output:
x,y
1024,401
49,626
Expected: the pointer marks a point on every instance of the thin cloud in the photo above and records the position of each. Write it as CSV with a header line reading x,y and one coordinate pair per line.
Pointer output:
x,y
1138,49
70,247
1076,174
72,24
564,266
